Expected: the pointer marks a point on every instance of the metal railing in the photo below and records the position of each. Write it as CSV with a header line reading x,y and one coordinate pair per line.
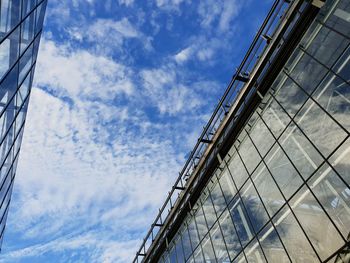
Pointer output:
x,y
252,57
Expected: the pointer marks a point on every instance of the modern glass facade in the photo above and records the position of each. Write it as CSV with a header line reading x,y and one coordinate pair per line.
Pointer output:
x,y
282,192
21,24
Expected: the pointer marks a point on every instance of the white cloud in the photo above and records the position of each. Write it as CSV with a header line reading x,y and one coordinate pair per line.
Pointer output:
x,y
218,14
163,88
183,55
126,2
79,73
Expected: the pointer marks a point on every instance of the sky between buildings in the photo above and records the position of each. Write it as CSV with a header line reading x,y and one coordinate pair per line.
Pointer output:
x,y
122,91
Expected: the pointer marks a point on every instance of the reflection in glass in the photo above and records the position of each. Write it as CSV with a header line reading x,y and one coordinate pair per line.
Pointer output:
x,y
323,235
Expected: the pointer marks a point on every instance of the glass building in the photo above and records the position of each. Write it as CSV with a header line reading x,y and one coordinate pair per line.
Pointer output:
x,y
268,180
21,23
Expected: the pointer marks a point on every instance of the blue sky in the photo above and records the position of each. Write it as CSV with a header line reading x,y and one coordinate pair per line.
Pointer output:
x,y
122,90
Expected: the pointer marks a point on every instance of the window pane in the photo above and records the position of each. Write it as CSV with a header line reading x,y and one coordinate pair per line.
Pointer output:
x,y
327,46
186,244
218,199
272,246
320,128
237,170
219,244
334,196
334,96
254,253
227,185
179,251
340,160
300,151
192,230
208,251
10,15
291,97
261,137
230,235
249,155
267,189
340,18
308,73
323,235
294,240
201,224
275,118
241,221
282,170
254,207
209,212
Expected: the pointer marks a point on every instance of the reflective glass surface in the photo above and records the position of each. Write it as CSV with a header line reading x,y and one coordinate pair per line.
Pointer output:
x,y
21,24
282,193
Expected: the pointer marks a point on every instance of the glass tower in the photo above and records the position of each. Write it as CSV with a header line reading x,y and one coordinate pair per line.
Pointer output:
x,y
280,193
21,23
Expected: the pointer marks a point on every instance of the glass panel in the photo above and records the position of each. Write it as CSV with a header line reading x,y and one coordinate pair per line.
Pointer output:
x,y
282,170
340,160
8,52
40,16
230,235
334,96
237,170
23,91
300,151
201,224
275,118
334,196
291,97
25,63
254,207
240,219
240,259
308,73
294,240
186,244
342,67
267,189
218,199
249,156
172,254
27,6
323,235
320,128
219,244
9,15
327,46
227,185
4,57
27,33
192,230
340,18
209,212
198,255
261,137
179,251
208,251
254,253
272,246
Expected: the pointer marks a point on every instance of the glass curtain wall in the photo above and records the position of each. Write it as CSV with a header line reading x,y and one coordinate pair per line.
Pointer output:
x,y
282,193
21,24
